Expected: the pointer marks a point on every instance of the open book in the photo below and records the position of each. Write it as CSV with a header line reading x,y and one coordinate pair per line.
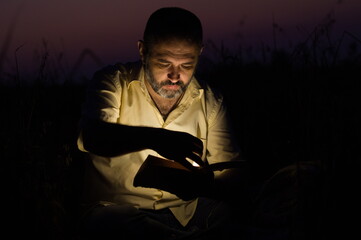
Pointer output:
x,y
166,174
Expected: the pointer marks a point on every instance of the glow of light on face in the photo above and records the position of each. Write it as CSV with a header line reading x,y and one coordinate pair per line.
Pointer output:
x,y
157,87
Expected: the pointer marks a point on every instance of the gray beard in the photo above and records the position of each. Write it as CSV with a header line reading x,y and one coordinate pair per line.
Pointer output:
x,y
157,87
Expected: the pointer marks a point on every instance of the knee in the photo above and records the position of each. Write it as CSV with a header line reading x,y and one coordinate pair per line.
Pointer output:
x,y
114,213
106,220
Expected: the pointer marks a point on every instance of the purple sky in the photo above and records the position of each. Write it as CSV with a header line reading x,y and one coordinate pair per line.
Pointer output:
x,y
110,28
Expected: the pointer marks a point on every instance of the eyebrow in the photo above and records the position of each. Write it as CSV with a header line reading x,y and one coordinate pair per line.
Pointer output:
x,y
166,61
170,54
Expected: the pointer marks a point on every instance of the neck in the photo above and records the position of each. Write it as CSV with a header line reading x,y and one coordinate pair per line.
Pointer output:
x,y
164,105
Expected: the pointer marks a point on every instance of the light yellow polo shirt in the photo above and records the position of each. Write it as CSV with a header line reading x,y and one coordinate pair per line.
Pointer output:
x,y
117,94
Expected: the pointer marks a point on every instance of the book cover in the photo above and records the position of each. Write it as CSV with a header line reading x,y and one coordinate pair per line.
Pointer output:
x,y
168,175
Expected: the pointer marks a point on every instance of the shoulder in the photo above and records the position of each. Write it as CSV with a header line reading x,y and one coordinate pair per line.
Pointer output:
x,y
212,94
213,98
115,76
128,71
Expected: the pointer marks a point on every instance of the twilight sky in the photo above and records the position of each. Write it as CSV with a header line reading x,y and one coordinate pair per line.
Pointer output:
x,y
111,28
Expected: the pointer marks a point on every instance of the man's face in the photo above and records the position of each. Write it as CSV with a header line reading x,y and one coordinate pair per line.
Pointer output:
x,y
169,67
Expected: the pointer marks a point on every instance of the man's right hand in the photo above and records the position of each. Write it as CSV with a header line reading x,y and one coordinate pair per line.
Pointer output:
x,y
179,146
103,138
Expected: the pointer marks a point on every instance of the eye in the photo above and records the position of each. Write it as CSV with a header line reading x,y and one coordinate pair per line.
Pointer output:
x,y
187,66
163,65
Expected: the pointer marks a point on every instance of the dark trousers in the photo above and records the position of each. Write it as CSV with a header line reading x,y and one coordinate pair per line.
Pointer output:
x,y
210,221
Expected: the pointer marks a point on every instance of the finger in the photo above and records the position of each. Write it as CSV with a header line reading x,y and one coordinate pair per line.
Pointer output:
x,y
197,149
196,143
196,158
198,146
186,164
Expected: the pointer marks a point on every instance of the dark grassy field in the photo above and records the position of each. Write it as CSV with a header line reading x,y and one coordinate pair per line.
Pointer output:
x,y
300,106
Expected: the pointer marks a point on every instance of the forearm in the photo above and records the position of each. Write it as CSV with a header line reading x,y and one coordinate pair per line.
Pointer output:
x,y
109,139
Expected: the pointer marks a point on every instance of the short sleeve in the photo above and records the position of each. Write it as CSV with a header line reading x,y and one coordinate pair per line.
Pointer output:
x,y
222,145
103,96
102,99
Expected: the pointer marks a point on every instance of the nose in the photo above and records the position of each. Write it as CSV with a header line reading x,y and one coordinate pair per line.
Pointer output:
x,y
174,74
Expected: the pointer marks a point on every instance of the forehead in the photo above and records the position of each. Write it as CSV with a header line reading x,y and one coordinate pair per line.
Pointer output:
x,y
175,49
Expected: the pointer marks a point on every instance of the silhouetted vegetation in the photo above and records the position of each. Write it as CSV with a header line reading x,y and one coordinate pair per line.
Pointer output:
x,y
288,107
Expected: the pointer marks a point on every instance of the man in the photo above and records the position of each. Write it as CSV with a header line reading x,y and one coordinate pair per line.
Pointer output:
x,y
156,107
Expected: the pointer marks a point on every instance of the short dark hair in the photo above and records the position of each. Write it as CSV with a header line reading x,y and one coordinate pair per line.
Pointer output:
x,y
173,23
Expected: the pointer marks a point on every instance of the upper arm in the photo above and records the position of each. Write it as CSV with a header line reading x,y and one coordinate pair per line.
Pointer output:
x,y
222,144
103,96
102,100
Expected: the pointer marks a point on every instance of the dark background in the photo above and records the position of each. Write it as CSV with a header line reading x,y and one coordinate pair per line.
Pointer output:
x,y
288,107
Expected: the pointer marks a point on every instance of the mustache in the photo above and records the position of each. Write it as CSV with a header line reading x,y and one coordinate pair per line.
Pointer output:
x,y
168,82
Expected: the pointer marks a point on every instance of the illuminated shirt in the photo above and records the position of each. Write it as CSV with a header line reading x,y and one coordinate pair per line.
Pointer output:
x,y
118,95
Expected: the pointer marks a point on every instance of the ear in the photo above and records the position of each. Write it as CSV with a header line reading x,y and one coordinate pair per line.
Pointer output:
x,y
141,49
